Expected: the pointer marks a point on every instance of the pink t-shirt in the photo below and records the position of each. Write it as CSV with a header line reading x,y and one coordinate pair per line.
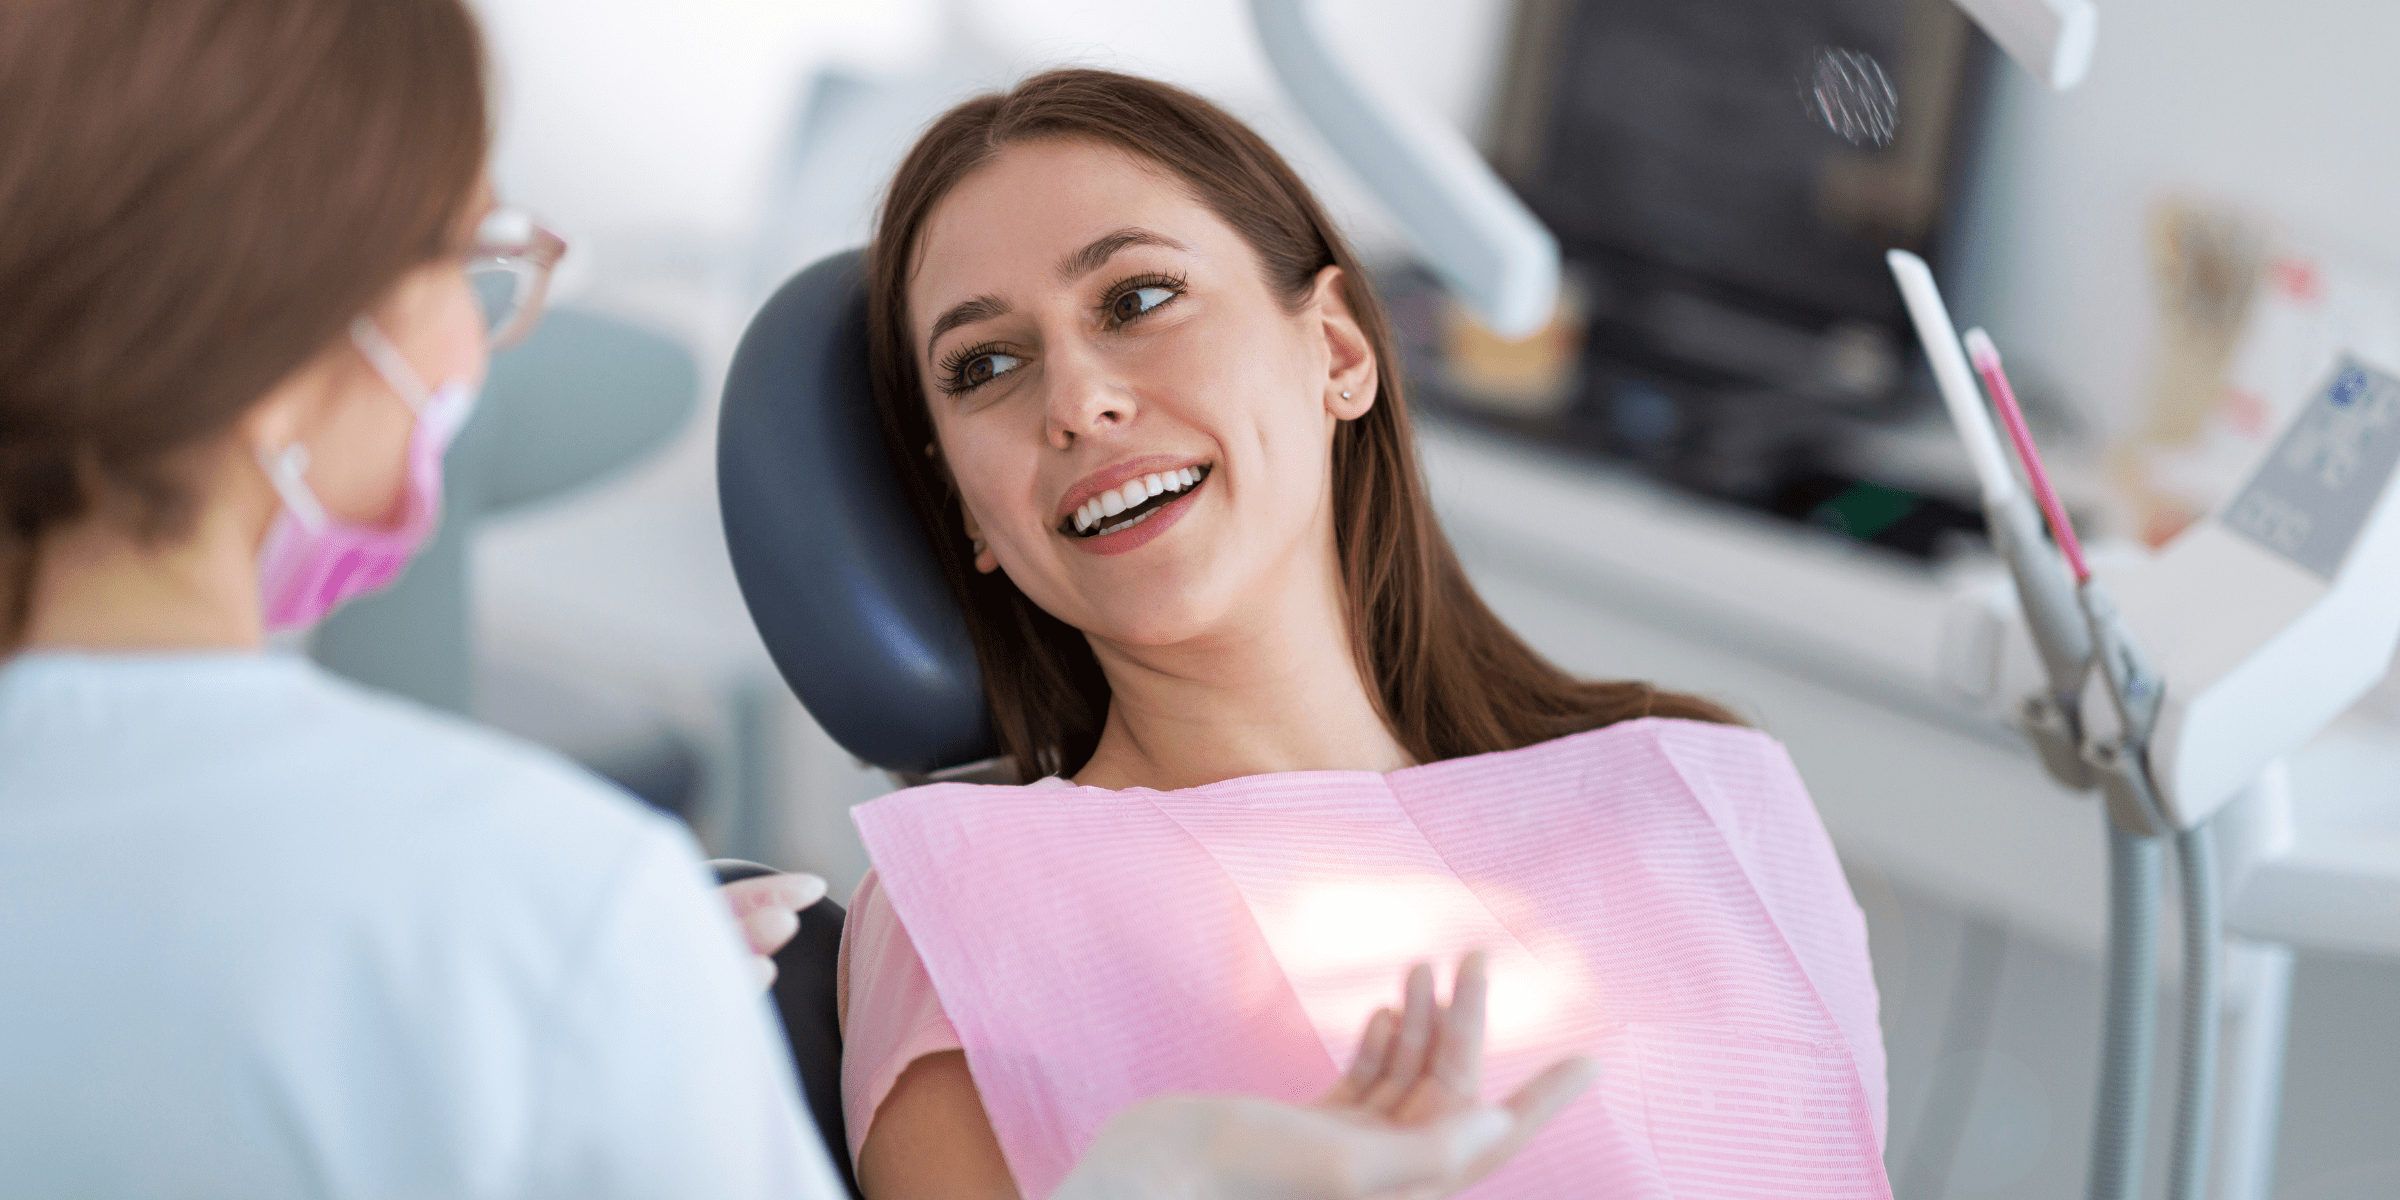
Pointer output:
x,y
1658,893
890,1014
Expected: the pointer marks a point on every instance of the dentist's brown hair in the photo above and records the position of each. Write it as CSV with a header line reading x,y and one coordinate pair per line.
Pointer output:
x,y
1449,678
196,197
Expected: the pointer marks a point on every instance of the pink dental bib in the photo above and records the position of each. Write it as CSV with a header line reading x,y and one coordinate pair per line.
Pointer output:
x,y
1658,893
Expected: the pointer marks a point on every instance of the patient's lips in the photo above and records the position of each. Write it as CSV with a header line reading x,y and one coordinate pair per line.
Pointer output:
x,y
1129,494
1132,502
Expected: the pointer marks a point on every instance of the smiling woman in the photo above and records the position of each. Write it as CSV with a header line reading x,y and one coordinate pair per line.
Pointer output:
x,y
1146,407
1144,230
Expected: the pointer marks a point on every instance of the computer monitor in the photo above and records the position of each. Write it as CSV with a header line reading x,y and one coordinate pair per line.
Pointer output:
x,y
1725,239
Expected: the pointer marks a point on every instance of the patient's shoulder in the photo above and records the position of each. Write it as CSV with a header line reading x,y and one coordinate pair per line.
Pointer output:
x,y
890,1014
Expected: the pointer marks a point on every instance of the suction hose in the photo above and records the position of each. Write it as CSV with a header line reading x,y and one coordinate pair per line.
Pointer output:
x,y
2129,1039
2203,938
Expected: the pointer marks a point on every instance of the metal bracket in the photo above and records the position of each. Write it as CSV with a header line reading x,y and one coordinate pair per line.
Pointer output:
x,y
2055,731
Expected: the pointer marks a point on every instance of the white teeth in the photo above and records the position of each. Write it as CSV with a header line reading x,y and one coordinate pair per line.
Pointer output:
x,y
1121,526
1094,513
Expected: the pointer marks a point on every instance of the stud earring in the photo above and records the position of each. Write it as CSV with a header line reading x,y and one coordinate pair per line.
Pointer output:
x,y
978,544
1345,395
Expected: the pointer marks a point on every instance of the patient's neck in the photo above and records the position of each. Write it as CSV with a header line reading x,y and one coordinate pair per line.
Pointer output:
x,y
1278,691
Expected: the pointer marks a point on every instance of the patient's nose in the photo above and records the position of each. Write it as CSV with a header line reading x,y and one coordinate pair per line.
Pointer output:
x,y
1084,398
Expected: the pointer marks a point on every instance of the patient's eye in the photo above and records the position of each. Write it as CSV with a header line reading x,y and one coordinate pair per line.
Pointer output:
x,y
971,368
1132,299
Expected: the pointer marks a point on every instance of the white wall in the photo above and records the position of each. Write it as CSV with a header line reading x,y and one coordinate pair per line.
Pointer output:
x,y
2291,107
664,116
659,113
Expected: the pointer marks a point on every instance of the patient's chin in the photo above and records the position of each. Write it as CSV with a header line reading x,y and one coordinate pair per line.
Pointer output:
x,y
1157,625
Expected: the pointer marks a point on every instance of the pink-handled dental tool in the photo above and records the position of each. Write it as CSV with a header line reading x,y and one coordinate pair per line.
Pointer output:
x,y
1986,358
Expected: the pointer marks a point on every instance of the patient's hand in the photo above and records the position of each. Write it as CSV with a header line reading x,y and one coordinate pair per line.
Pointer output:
x,y
1424,1064
1404,1124
1424,1060
767,907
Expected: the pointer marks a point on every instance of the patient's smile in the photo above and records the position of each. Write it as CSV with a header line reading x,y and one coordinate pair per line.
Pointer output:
x,y
1132,502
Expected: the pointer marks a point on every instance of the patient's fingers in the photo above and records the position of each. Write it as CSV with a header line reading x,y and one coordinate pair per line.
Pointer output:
x,y
1374,1052
1453,1072
1457,1062
1409,1047
1545,1094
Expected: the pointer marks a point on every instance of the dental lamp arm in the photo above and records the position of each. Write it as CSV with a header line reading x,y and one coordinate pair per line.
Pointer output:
x,y
1475,234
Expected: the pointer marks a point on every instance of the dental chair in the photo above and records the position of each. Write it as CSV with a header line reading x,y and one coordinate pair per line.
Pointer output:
x,y
846,593
833,565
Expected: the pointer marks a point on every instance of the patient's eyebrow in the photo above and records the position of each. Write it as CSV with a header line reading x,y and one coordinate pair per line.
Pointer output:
x,y
1087,260
981,308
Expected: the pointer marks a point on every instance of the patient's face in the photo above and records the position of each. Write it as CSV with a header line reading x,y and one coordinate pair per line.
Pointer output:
x,y
1084,327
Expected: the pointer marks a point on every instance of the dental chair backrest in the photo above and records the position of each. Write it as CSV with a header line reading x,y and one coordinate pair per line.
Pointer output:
x,y
834,566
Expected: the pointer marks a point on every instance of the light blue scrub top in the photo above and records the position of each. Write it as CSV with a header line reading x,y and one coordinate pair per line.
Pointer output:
x,y
266,934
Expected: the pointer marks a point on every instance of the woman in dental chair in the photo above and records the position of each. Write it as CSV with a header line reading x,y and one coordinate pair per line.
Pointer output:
x,y
1270,743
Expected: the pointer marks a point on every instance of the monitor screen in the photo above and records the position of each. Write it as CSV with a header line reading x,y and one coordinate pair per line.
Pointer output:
x,y
1684,154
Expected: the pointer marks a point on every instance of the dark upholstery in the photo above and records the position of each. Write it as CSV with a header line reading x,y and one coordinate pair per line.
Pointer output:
x,y
806,974
833,565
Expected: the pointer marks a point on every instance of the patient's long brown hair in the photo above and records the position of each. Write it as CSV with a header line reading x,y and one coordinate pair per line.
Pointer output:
x,y
1448,677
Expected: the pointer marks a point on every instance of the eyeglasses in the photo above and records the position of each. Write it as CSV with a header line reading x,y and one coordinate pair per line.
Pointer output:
x,y
509,271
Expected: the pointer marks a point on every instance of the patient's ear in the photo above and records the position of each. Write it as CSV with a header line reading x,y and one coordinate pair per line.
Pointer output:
x,y
1350,374
985,561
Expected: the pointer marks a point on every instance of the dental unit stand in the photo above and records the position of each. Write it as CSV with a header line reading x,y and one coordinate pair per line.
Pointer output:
x,y
2275,614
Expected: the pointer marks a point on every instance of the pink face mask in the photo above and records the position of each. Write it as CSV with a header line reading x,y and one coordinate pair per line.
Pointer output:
x,y
312,561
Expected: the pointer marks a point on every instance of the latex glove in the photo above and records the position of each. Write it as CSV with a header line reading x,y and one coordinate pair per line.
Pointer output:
x,y
1403,1124
767,907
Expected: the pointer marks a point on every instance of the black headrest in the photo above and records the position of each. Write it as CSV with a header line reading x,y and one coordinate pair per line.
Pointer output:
x,y
832,563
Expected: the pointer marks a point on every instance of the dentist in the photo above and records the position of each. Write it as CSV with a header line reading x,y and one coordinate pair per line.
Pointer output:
x,y
266,933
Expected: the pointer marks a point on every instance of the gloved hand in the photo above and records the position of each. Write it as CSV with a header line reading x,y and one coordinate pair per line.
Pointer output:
x,y
767,907
1403,1123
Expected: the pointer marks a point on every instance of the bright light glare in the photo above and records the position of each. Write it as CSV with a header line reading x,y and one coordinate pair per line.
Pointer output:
x,y
1367,921
1346,945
